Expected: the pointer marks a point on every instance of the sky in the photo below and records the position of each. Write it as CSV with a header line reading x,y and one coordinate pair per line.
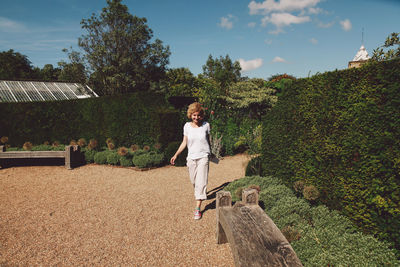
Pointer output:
x,y
297,37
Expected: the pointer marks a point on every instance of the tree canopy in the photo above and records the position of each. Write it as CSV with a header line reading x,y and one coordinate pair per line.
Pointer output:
x,y
119,51
380,54
15,66
222,70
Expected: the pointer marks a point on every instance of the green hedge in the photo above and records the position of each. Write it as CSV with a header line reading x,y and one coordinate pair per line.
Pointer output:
x,y
319,237
340,131
139,118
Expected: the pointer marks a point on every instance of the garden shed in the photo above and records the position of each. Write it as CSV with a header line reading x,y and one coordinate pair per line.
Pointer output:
x,y
31,91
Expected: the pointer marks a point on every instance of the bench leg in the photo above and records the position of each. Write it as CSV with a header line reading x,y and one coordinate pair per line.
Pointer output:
x,y
223,199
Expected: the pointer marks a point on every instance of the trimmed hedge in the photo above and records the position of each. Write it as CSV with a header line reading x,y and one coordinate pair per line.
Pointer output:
x,y
139,118
340,132
319,237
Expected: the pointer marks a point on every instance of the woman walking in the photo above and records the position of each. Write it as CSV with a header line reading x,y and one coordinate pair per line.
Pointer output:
x,y
196,136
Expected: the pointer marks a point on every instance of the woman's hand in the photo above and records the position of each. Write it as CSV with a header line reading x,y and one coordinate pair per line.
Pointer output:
x,y
173,160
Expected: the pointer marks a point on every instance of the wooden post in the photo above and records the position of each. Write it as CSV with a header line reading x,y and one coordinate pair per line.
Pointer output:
x,y
68,157
223,200
250,196
2,148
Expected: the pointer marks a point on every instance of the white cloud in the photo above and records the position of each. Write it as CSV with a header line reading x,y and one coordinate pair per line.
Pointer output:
x,y
269,6
314,11
320,24
268,41
346,25
7,25
281,20
278,60
226,22
251,24
314,41
250,64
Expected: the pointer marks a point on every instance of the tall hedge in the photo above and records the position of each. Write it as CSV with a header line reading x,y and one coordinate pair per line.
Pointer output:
x,y
340,131
139,118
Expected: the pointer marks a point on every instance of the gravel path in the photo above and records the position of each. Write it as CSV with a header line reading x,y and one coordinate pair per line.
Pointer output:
x,y
104,216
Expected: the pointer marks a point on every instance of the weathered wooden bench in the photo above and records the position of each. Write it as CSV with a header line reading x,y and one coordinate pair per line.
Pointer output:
x,y
253,237
71,154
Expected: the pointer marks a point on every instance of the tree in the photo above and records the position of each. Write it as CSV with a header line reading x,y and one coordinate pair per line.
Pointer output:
x,y
393,39
75,71
15,66
119,52
222,70
248,95
49,73
180,82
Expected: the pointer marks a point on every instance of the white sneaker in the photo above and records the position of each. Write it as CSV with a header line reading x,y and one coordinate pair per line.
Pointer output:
x,y
197,215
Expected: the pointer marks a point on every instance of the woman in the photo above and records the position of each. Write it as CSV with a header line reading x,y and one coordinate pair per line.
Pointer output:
x,y
196,136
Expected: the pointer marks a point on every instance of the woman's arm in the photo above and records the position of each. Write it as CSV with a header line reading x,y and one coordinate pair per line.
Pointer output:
x,y
180,149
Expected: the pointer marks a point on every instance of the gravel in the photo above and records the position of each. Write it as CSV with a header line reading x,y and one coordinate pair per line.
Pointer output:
x,y
101,215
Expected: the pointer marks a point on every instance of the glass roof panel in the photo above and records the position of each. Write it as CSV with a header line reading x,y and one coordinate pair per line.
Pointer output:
x,y
44,92
56,92
31,91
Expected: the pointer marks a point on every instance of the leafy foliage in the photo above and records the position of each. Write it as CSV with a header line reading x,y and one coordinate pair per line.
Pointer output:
x,y
339,131
118,49
15,66
248,95
222,70
392,40
319,237
141,118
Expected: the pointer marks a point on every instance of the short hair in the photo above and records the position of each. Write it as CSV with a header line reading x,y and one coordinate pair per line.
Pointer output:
x,y
195,107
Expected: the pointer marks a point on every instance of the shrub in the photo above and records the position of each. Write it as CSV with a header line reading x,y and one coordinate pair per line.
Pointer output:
x,y
254,167
42,148
157,146
147,160
73,142
320,237
122,151
92,144
4,139
134,147
46,143
170,152
56,143
146,148
27,146
298,186
310,192
113,158
125,162
101,157
110,146
82,142
89,155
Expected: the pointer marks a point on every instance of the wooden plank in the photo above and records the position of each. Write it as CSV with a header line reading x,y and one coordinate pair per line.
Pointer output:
x,y
32,154
254,238
223,200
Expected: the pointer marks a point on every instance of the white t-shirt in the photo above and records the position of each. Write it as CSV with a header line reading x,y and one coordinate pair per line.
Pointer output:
x,y
197,143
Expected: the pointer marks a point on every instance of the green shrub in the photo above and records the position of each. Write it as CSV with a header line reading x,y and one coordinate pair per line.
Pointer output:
x,y
320,237
113,158
42,148
339,131
141,118
89,155
148,159
101,157
254,167
170,152
125,162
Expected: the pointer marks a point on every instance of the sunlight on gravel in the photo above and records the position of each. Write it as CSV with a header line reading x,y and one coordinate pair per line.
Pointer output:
x,y
104,215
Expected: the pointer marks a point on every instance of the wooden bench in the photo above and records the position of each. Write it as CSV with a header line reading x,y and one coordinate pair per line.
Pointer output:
x,y
253,237
71,154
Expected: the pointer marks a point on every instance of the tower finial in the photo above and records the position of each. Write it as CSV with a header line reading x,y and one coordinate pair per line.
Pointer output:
x,y
362,36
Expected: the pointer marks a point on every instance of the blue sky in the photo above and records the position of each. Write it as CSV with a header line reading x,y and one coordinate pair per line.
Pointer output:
x,y
298,37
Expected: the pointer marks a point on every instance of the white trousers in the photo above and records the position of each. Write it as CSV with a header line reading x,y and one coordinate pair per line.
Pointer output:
x,y
198,173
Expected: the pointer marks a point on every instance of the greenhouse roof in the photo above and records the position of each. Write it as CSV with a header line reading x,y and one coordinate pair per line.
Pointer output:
x,y
23,91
